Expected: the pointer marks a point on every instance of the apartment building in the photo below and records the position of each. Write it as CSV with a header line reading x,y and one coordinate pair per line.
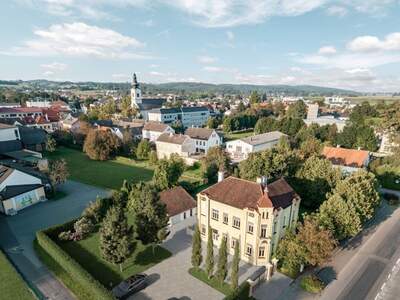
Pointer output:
x,y
254,214
189,116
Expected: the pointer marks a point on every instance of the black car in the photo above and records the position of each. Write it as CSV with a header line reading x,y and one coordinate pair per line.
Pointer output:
x,y
130,286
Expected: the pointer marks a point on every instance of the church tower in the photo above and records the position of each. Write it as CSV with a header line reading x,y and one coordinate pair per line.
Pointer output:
x,y
136,93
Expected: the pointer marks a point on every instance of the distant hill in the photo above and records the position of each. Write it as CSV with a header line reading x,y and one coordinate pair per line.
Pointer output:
x,y
186,87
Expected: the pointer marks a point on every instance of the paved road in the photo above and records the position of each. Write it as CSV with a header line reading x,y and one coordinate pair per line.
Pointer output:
x,y
18,232
369,263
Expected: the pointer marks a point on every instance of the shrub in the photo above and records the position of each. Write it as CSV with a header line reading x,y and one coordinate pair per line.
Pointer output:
x,y
65,236
311,284
241,293
75,270
96,210
83,227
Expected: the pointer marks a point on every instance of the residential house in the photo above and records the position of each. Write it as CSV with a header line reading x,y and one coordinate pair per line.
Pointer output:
x,y
180,205
189,116
254,214
204,138
241,148
20,112
70,123
348,160
33,139
171,143
152,130
10,139
18,190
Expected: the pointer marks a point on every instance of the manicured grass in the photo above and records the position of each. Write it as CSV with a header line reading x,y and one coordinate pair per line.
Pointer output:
x,y
238,135
87,254
107,174
59,272
311,284
202,276
12,286
388,175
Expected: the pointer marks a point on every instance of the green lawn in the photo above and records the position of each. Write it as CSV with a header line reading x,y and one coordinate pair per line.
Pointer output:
x,y
388,175
201,275
107,174
87,254
12,286
110,174
238,135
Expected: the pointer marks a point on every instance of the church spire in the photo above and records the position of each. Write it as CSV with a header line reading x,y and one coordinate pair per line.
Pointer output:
x,y
135,83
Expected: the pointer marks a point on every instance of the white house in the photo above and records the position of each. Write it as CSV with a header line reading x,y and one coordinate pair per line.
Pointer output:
x,y
18,190
180,205
170,143
152,130
204,138
189,116
70,123
241,148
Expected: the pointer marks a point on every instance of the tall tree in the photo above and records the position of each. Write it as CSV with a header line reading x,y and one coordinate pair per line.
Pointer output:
x,y
149,213
265,124
101,145
291,253
168,172
210,254
235,268
51,144
298,110
317,241
115,237
196,248
143,149
216,159
222,270
58,172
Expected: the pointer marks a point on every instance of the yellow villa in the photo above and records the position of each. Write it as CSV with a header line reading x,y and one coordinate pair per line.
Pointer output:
x,y
254,214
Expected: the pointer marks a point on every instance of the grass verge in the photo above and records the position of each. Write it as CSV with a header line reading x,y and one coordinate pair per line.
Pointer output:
x,y
311,284
202,276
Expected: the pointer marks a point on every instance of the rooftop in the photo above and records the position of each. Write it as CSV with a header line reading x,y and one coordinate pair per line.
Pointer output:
x,y
199,133
172,138
263,138
155,126
345,157
177,200
242,193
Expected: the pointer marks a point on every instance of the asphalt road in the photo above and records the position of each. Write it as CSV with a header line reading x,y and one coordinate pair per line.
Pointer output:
x,y
18,232
371,273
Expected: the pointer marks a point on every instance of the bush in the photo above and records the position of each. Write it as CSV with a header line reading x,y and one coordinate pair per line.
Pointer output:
x,y
241,293
96,210
83,227
66,235
75,270
311,284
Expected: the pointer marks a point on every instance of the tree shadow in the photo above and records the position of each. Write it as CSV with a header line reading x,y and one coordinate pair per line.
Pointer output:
x,y
327,275
147,257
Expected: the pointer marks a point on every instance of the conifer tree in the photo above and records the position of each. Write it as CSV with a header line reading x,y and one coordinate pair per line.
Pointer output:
x,y
196,249
115,237
222,270
210,254
235,268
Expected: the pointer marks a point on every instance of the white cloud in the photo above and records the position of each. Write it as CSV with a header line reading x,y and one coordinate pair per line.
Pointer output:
x,y
155,73
79,39
326,50
48,73
335,10
369,43
55,66
204,59
230,35
213,69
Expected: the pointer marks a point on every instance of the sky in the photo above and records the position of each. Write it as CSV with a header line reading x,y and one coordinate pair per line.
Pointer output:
x,y
351,44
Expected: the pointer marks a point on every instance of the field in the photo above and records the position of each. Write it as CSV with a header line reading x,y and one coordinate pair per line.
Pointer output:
x,y
238,135
12,286
110,174
87,254
373,99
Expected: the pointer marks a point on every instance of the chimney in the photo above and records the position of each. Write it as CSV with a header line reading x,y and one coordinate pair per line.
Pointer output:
x,y
221,175
358,148
338,146
263,181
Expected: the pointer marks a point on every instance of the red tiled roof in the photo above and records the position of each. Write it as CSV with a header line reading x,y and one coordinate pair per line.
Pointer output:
x,y
177,200
20,110
346,157
242,193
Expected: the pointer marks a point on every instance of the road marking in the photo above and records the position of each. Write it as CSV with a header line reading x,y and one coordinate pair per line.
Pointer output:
x,y
392,273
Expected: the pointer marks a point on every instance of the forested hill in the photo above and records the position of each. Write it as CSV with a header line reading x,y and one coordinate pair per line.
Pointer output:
x,y
186,87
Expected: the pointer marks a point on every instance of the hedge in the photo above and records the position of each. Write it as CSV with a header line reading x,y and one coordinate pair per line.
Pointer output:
x,y
241,293
73,268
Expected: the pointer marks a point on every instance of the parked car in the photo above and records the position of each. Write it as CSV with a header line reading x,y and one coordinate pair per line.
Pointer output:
x,y
130,286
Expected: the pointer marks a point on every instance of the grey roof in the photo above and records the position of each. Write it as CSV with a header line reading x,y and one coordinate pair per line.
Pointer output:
x,y
194,108
172,138
263,138
199,133
8,146
151,103
32,136
6,126
155,126
14,190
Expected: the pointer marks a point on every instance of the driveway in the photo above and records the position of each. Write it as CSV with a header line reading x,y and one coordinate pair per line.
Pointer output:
x,y
18,232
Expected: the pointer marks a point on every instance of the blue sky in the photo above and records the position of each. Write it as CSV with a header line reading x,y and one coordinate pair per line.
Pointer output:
x,y
351,44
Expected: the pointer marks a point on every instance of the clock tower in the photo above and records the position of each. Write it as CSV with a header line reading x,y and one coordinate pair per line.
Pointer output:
x,y
136,93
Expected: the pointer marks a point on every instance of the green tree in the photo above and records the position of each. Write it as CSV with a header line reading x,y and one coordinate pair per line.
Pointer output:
x,y
153,157
290,253
298,110
210,254
100,145
340,217
212,123
360,190
58,172
168,172
115,237
290,126
143,149
215,160
235,268
222,270
265,124
314,180
149,213
366,138
310,147
196,248
255,97
317,241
